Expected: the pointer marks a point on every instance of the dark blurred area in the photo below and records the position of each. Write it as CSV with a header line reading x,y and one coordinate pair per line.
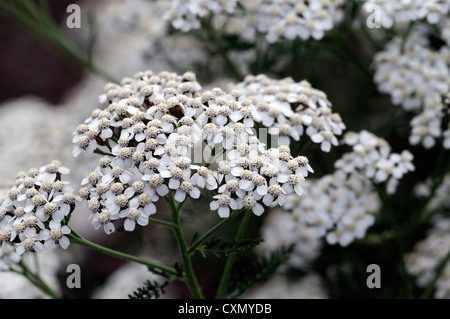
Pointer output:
x,y
29,64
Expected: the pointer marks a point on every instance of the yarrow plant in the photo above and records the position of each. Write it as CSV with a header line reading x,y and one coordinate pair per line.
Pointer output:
x,y
35,212
152,135
310,121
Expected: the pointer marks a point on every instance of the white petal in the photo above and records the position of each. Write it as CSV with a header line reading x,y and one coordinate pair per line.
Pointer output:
x,y
129,224
107,133
298,189
234,204
63,170
214,205
258,209
174,183
20,250
248,122
245,184
224,212
317,138
109,228
236,116
64,242
65,209
267,199
124,178
162,190
282,178
65,230
150,209
195,193
57,216
76,151
221,120
287,188
281,200
44,234
236,171
262,190
129,192
325,146
180,196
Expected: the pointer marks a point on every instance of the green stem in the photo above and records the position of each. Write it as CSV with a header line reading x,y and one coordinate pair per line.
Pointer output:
x,y
213,230
223,285
99,151
77,239
190,278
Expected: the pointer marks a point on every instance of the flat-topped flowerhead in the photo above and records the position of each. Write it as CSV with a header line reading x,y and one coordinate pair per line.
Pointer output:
x,y
372,157
291,110
416,76
155,151
35,212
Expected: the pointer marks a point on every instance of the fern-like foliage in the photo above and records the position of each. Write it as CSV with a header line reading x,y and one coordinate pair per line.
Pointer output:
x,y
150,290
224,248
258,271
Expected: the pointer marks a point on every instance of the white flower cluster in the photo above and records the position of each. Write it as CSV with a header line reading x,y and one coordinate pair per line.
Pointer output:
x,y
276,20
284,228
287,19
372,157
417,77
292,109
155,131
401,13
185,15
338,208
34,213
427,256
342,207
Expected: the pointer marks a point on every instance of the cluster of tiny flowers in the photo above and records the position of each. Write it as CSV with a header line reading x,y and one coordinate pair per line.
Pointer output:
x,y
338,208
372,157
292,109
185,15
34,212
417,77
428,255
288,20
276,20
283,229
440,200
154,133
401,13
